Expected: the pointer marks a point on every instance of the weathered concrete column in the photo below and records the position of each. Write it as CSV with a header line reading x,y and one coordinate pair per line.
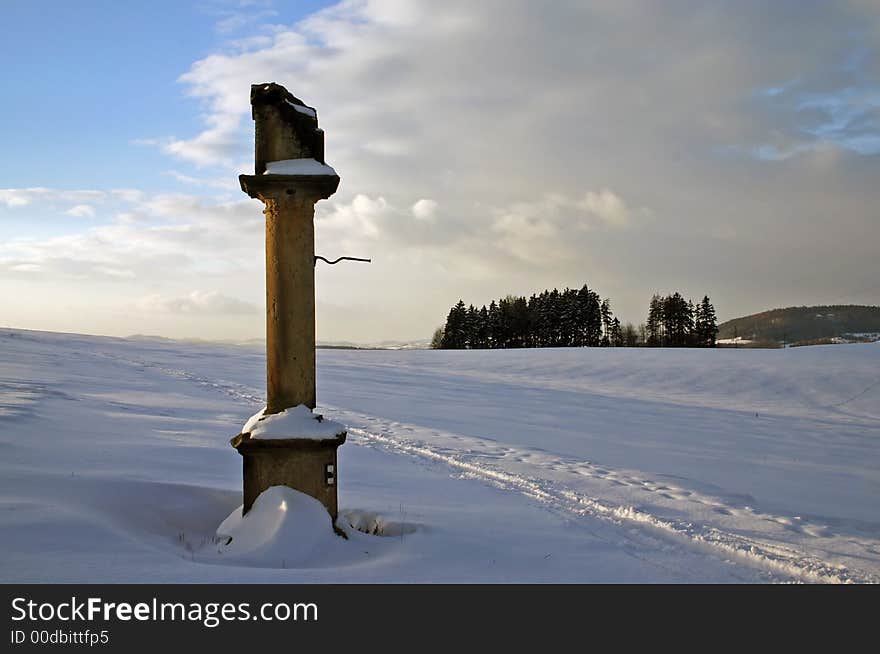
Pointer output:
x,y
291,176
290,300
290,297
290,283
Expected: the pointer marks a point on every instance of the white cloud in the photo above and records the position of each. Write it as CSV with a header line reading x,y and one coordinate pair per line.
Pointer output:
x,y
226,183
20,197
424,209
216,146
24,267
158,236
127,194
117,273
81,211
547,231
196,302
357,219
530,238
606,206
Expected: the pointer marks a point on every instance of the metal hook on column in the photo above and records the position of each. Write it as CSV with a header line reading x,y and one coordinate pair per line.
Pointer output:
x,y
335,261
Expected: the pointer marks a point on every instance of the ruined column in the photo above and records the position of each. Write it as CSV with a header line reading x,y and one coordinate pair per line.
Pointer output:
x,y
290,291
290,300
290,178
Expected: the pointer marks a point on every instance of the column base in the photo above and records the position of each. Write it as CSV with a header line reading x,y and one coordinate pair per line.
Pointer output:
x,y
304,464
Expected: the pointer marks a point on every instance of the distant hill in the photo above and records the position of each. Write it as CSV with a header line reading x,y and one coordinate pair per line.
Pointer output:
x,y
799,324
382,345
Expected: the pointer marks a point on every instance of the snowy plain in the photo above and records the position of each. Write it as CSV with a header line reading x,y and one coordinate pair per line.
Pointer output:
x,y
556,465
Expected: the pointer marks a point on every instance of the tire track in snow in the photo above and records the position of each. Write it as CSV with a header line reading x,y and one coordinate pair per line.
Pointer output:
x,y
474,463
776,557
232,389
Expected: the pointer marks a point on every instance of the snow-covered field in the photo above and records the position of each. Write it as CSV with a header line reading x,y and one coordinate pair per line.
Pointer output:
x,y
573,465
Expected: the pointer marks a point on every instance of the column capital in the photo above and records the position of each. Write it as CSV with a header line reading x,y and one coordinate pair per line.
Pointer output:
x,y
268,186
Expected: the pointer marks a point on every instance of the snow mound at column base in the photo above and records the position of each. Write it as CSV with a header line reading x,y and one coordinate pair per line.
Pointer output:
x,y
284,528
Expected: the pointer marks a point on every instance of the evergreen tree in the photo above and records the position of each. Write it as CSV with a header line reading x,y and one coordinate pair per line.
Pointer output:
x,y
699,335
505,310
472,325
455,332
654,324
677,320
605,315
709,323
532,331
483,328
688,338
519,327
616,333
569,317
494,325
559,326
589,317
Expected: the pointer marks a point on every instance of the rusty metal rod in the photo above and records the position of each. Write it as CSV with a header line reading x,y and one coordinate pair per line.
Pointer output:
x,y
335,261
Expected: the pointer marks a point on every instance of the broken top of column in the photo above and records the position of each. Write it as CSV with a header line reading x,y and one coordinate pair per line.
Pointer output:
x,y
289,145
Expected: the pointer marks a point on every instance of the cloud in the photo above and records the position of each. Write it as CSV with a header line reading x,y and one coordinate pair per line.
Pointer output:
x,y
151,237
549,230
234,15
530,238
424,209
814,115
217,146
607,207
197,302
226,183
127,194
81,211
20,197
23,197
350,227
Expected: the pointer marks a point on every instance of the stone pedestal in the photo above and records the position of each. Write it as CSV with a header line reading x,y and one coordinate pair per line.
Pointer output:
x,y
304,464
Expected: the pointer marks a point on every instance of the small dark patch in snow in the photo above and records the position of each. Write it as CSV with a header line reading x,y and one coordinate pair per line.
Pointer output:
x,y
374,524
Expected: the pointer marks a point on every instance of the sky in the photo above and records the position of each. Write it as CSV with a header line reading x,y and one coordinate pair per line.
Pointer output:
x,y
728,148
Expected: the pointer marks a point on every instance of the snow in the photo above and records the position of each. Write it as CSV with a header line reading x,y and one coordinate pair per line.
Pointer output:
x,y
282,525
857,337
308,111
739,340
587,465
288,529
298,167
297,422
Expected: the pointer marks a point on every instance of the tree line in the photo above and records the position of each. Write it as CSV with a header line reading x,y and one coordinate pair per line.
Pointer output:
x,y
674,322
574,318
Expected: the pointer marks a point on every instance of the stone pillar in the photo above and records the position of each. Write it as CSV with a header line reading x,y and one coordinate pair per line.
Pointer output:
x,y
290,300
291,177
290,338
290,282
